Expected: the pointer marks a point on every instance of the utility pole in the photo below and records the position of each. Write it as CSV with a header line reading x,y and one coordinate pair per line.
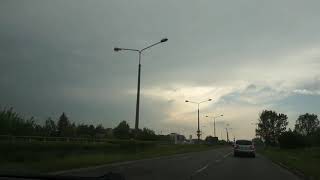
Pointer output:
x,y
227,135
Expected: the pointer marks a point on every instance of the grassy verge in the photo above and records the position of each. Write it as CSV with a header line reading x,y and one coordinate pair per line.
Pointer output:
x,y
305,160
40,157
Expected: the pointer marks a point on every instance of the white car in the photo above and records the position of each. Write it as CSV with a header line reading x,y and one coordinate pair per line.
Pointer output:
x,y
244,147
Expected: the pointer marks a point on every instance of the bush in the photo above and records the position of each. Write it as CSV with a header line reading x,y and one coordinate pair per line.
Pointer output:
x,y
13,123
290,139
130,145
211,140
222,142
34,151
257,141
316,137
122,131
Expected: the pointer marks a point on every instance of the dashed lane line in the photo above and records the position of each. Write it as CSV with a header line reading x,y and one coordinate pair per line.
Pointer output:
x,y
201,169
207,165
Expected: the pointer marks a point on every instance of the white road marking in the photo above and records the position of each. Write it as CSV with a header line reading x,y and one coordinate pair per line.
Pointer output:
x,y
203,168
207,165
224,156
184,157
227,155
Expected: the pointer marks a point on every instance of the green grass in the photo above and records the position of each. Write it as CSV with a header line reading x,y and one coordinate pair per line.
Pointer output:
x,y
48,157
305,160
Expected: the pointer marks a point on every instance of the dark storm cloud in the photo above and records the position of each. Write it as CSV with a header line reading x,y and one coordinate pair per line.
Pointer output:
x,y
58,55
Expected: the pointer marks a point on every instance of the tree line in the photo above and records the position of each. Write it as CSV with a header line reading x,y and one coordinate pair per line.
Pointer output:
x,y
272,129
12,123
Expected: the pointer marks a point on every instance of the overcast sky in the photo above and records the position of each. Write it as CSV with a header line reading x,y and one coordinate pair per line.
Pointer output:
x,y
247,55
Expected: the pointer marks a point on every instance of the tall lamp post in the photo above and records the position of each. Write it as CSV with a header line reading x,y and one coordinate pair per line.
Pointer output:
x,y
139,72
227,127
198,103
232,133
214,123
202,131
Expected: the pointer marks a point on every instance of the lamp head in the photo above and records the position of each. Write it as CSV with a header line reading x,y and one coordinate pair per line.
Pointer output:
x,y
116,49
164,40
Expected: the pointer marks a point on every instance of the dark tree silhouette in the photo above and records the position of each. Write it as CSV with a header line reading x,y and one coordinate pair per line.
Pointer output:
x,y
100,129
83,130
307,124
14,124
92,130
100,132
146,134
64,125
50,127
271,125
122,131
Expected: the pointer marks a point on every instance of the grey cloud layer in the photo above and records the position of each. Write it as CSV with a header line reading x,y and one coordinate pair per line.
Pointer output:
x,y
57,55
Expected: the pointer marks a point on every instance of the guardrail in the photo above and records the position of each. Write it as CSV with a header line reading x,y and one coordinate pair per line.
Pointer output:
x,y
10,138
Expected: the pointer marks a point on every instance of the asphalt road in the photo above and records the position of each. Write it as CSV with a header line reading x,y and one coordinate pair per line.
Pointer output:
x,y
213,164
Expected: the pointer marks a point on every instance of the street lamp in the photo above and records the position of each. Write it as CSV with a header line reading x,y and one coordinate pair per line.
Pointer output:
x,y
198,103
227,132
214,123
116,49
232,133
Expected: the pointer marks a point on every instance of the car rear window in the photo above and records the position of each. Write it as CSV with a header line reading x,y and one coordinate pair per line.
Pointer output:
x,y
243,142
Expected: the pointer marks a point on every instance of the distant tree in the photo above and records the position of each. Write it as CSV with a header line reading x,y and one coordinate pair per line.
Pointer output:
x,y
92,130
72,130
271,125
109,133
38,130
100,131
25,127
122,131
64,125
50,127
146,134
13,123
83,130
99,128
307,124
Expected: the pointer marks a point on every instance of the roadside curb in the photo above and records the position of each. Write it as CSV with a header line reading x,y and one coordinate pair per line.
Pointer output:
x,y
295,171
292,170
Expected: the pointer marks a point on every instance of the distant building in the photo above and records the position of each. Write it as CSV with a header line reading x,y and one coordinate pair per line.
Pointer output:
x,y
177,138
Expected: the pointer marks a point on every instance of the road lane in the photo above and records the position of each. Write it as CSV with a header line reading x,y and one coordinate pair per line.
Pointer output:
x,y
245,168
213,164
